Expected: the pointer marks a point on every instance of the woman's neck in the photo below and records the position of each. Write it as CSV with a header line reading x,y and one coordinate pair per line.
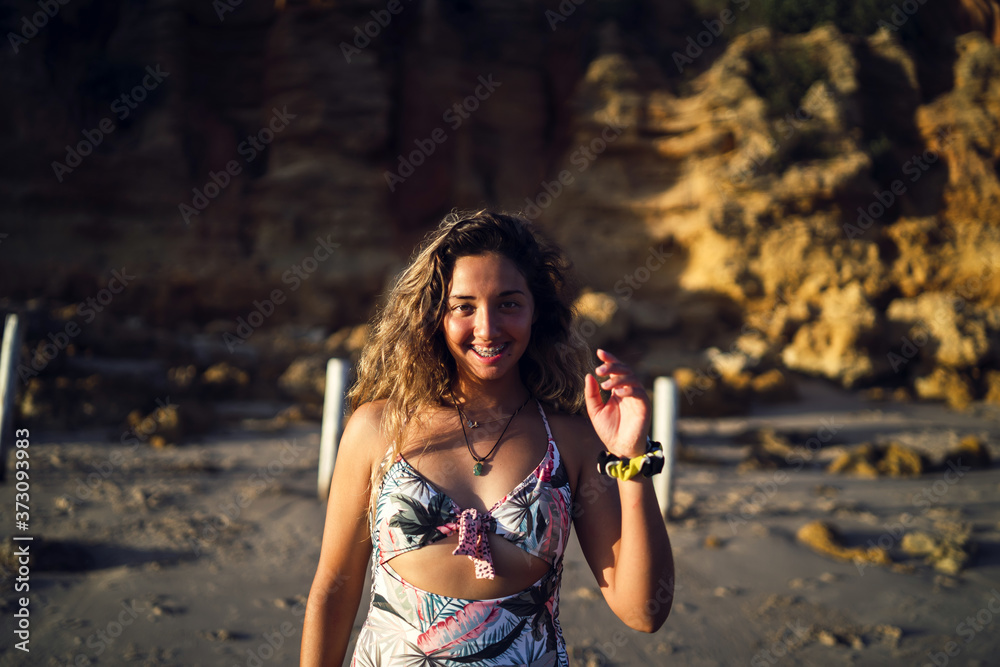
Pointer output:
x,y
497,396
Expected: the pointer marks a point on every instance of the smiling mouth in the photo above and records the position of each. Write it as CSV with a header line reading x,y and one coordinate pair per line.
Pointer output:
x,y
489,352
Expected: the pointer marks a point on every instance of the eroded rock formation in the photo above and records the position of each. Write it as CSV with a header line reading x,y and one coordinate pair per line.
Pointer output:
x,y
807,203
777,215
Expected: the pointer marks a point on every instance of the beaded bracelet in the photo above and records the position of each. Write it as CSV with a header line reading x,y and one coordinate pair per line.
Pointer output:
x,y
622,468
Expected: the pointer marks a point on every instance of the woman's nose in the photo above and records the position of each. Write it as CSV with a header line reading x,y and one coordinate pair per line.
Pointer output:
x,y
486,324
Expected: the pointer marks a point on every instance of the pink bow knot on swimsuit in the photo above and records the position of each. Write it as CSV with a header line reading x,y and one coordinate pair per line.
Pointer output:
x,y
472,540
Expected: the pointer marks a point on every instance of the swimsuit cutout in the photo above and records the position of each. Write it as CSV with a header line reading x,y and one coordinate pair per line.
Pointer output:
x,y
408,625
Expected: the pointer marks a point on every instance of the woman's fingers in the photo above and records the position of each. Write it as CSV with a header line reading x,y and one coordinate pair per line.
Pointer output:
x,y
619,381
612,366
611,363
624,390
605,355
612,369
618,377
592,395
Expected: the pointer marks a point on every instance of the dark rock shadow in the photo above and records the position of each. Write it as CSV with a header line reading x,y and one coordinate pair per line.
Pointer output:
x,y
71,556
987,554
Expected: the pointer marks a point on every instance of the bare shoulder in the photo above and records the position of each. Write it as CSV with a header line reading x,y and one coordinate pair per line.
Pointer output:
x,y
578,443
363,435
370,414
572,426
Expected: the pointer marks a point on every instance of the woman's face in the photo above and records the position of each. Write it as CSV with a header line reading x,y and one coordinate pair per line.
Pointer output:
x,y
487,324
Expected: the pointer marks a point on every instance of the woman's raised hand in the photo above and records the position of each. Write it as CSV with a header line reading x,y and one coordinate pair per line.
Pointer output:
x,y
623,422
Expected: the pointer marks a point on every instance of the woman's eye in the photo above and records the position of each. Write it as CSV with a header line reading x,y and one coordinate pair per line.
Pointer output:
x,y
468,307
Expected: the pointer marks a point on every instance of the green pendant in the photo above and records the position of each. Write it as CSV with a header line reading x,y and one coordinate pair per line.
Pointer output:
x,y
477,469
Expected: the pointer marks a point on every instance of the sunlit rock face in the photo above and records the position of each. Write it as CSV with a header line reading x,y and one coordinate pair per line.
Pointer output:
x,y
822,222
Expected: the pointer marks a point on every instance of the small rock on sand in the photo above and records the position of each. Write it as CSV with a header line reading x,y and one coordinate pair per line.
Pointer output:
x,y
868,460
824,539
972,452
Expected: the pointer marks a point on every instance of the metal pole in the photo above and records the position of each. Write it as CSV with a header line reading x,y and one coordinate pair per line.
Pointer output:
x,y
664,432
8,360
337,371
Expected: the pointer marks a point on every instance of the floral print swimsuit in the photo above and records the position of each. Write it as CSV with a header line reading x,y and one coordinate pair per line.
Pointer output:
x,y
410,626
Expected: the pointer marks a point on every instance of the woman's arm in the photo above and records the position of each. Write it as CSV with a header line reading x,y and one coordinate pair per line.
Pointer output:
x,y
337,588
618,523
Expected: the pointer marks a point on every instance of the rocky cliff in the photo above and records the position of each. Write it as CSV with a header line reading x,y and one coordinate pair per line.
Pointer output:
x,y
741,207
830,224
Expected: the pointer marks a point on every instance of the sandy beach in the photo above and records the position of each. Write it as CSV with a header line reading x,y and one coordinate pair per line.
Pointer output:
x,y
790,208
203,554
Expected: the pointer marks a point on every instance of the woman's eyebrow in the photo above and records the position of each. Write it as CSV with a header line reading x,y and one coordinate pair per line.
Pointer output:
x,y
502,294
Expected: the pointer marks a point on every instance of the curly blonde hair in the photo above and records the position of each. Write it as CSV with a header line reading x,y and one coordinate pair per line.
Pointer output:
x,y
407,362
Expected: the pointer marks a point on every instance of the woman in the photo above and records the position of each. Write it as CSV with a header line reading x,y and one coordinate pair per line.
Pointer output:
x,y
449,473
